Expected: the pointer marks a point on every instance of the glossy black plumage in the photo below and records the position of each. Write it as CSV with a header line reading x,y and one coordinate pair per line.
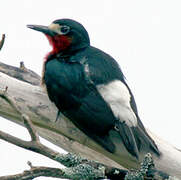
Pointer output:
x,y
72,77
76,95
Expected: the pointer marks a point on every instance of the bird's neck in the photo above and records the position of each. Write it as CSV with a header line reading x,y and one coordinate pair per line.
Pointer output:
x,y
59,43
62,56
63,46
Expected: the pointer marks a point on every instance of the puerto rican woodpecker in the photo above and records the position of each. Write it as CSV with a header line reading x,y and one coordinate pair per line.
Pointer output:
x,y
88,87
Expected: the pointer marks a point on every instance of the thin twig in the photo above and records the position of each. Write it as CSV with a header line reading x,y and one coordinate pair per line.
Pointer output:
x,y
36,172
30,128
2,41
34,144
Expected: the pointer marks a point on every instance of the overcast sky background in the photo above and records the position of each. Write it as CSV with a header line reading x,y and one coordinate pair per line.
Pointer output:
x,y
143,36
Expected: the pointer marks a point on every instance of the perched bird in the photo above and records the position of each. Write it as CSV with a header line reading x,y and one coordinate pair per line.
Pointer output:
x,y
88,86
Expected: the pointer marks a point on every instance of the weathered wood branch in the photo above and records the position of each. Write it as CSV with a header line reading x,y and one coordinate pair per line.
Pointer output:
x,y
78,167
75,173
21,73
34,102
73,162
36,172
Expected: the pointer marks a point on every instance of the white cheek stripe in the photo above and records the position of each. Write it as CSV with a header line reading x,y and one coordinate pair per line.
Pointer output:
x,y
118,97
55,27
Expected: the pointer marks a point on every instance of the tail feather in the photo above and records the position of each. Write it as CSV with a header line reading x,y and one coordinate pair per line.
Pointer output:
x,y
135,139
128,139
143,136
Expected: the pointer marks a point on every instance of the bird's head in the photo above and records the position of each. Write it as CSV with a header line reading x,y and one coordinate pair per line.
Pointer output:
x,y
64,35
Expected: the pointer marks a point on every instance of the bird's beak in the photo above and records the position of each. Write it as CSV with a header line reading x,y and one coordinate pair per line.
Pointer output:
x,y
44,29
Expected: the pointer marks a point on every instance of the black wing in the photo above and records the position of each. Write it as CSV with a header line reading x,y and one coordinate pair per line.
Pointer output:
x,y
134,138
78,99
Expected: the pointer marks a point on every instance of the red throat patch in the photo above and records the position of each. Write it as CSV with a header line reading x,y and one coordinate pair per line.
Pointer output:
x,y
59,43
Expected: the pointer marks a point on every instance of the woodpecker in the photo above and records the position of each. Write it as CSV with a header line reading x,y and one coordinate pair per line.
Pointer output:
x,y
88,87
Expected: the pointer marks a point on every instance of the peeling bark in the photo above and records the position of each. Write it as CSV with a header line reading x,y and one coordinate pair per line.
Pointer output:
x,y
31,99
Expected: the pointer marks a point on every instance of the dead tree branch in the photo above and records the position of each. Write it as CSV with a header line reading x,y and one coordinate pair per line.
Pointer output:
x,y
80,172
77,166
36,172
33,102
21,73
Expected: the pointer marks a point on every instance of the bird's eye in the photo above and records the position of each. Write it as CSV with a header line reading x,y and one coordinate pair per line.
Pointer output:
x,y
64,29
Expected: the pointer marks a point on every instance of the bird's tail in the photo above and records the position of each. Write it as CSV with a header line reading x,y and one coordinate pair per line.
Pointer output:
x,y
145,140
128,138
135,139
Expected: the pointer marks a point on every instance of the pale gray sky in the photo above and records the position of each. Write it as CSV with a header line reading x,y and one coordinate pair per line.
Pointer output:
x,y
143,36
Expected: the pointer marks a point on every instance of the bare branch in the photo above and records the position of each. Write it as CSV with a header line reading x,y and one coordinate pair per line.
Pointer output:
x,y
34,144
69,160
2,41
30,128
21,73
88,171
83,171
36,172
32,101
10,100
78,166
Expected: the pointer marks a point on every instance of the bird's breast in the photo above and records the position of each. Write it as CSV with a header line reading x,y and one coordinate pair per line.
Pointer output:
x,y
65,83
